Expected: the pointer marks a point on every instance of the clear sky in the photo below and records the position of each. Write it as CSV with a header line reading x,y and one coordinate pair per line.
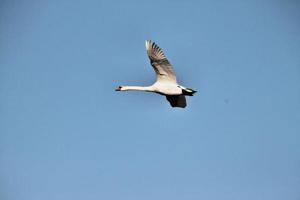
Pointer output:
x,y
66,134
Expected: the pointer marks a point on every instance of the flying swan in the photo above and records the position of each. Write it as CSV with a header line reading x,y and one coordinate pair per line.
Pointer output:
x,y
166,83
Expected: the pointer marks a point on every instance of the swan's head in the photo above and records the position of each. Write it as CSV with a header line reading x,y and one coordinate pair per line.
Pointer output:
x,y
120,88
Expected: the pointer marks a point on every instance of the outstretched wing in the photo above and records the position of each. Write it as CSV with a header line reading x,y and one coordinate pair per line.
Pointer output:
x,y
161,65
177,100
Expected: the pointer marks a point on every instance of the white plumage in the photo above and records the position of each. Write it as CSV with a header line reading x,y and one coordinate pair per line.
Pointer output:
x,y
166,83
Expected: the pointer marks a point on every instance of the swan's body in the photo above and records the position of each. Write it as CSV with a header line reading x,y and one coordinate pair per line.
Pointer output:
x,y
166,83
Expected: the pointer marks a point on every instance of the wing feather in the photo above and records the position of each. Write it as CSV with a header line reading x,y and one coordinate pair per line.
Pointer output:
x,y
177,100
162,67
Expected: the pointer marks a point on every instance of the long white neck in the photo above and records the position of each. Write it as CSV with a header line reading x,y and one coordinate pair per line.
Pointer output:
x,y
137,88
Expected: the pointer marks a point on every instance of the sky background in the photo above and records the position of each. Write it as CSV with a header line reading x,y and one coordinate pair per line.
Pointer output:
x,y
66,134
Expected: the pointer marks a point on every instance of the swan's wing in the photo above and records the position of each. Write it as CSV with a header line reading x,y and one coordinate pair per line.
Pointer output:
x,y
162,67
177,100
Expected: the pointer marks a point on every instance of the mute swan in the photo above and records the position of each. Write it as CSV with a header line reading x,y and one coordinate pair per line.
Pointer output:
x,y
166,83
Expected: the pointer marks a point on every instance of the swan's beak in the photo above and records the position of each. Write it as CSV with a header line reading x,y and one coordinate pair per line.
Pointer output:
x,y
118,88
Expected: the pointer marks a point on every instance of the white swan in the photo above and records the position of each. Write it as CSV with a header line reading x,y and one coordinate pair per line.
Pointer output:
x,y
166,83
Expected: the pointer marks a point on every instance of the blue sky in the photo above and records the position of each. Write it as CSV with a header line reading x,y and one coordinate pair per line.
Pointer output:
x,y
66,134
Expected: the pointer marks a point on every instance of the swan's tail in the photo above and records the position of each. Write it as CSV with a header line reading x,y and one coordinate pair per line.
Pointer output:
x,y
187,91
